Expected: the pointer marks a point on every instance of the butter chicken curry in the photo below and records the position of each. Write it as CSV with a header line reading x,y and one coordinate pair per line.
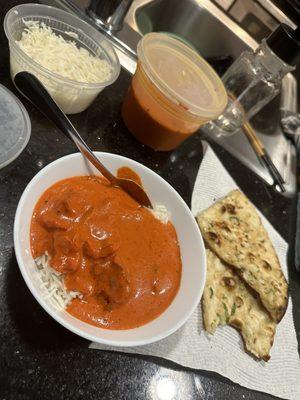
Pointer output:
x,y
118,255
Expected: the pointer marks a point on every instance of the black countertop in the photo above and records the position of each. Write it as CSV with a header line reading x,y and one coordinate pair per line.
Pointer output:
x,y
39,359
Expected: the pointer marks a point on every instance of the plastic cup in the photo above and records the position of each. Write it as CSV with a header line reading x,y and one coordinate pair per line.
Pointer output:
x,y
172,93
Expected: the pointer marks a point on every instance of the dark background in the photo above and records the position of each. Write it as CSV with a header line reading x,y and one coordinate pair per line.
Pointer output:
x,y
39,359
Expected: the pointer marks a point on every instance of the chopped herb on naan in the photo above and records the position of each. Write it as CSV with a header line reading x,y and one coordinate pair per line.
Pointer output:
x,y
227,300
233,230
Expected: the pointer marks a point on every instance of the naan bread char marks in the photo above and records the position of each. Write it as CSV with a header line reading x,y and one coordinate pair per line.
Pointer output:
x,y
228,300
233,230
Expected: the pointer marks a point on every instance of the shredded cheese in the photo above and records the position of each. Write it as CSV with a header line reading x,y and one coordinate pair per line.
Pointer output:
x,y
62,57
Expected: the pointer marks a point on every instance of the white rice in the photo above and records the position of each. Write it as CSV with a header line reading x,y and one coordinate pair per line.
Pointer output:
x,y
160,212
52,284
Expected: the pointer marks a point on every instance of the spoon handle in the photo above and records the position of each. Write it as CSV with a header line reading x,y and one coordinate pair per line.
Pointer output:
x,y
34,91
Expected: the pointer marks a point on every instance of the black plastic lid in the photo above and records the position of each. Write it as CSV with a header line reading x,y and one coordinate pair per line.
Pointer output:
x,y
285,43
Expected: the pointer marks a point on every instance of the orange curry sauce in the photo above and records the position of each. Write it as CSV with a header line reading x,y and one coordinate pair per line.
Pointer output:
x,y
124,261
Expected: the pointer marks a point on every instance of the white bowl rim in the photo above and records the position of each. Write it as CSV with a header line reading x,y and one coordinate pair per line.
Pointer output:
x,y
60,319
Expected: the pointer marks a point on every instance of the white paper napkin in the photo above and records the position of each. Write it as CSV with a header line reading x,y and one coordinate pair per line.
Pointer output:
x,y
224,353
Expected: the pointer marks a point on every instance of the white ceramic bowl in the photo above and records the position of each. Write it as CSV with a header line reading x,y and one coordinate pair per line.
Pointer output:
x,y
190,241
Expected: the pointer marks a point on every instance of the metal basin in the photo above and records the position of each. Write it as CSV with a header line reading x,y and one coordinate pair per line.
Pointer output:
x,y
199,23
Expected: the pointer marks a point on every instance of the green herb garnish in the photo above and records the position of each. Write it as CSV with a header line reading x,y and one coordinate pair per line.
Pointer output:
x,y
233,309
226,313
211,291
234,220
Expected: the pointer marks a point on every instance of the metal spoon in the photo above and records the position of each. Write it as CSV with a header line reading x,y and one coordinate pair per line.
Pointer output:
x,y
34,91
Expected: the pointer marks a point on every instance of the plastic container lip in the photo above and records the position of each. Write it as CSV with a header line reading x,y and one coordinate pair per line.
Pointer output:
x,y
188,56
35,13
20,143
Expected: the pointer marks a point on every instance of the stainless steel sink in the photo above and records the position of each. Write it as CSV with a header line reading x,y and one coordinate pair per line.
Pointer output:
x,y
198,22
213,34
191,21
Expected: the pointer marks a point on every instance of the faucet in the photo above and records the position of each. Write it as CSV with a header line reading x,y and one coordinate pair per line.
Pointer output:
x,y
109,14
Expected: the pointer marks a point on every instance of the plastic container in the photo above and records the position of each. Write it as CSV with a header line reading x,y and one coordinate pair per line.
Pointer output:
x,y
15,127
173,92
73,97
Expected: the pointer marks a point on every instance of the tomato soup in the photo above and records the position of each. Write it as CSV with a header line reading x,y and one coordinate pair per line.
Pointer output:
x,y
123,260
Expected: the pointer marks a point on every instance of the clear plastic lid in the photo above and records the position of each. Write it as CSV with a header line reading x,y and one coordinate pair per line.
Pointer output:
x,y
15,127
182,75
